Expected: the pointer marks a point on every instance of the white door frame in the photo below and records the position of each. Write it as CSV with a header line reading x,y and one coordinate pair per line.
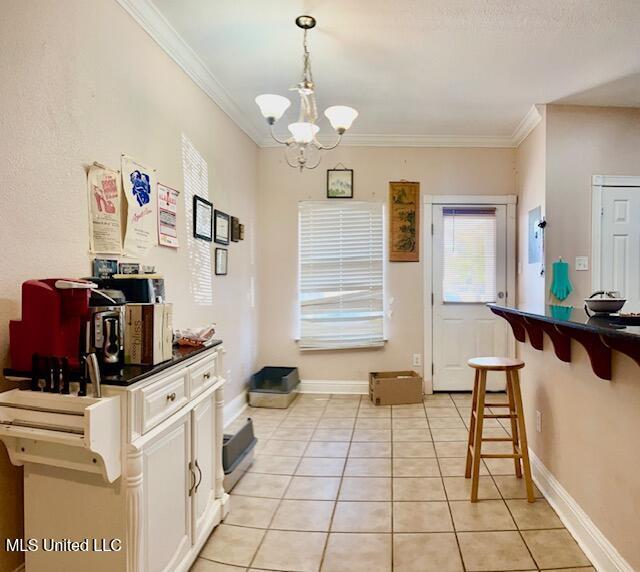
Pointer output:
x,y
427,248
599,184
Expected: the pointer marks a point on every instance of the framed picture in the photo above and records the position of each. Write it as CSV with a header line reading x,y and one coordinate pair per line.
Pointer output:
x,y
222,227
241,231
339,183
235,229
202,218
404,222
222,256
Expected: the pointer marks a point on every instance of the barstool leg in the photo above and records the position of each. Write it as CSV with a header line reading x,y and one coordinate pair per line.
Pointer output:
x,y
477,448
524,447
514,423
472,425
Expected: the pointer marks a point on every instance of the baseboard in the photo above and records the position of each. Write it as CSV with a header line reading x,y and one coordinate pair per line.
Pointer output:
x,y
333,386
234,408
594,544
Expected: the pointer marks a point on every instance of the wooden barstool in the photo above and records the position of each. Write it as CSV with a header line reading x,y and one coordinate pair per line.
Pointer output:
x,y
518,432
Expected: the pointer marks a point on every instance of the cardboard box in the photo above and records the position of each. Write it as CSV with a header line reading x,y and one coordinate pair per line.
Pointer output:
x,y
395,387
148,336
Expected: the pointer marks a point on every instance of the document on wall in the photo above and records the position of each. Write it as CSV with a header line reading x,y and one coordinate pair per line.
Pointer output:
x,y
105,230
139,183
167,216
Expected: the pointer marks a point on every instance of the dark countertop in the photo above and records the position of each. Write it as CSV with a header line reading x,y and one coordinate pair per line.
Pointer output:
x,y
608,325
131,374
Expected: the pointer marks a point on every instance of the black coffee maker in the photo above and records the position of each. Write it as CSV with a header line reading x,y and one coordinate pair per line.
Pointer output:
x,y
105,328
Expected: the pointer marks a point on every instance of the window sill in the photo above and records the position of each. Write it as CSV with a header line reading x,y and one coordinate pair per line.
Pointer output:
x,y
342,348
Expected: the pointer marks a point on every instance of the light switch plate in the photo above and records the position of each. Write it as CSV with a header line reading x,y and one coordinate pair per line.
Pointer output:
x,y
582,263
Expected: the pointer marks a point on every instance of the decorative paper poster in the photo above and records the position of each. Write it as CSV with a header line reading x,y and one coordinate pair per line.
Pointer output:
x,y
139,183
105,231
167,216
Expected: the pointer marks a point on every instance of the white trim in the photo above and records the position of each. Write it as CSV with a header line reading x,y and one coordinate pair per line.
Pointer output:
x,y
145,13
594,544
234,408
470,199
333,386
526,126
427,290
599,183
391,140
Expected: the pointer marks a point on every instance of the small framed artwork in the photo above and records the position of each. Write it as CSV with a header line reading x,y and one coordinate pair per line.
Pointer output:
x,y
202,218
235,229
222,227
222,256
241,231
339,183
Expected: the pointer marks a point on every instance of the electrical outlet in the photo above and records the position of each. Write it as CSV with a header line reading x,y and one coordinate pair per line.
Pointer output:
x,y
582,263
538,421
417,360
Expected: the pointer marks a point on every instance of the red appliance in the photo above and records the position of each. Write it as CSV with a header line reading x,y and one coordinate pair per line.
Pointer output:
x,y
53,318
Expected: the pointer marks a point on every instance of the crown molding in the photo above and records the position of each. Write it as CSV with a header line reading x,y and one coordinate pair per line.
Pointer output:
x,y
386,140
526,126
147,15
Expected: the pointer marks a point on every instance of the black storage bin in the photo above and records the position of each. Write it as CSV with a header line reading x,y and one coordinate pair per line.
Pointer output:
x,y
275,380
237,454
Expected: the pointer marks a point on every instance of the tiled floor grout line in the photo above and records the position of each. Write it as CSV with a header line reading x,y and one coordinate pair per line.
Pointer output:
x,y
335,504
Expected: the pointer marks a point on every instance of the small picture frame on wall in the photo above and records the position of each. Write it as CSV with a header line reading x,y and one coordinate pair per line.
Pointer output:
x,y
222,227
222,258
241,231
339,183
202,218
235,229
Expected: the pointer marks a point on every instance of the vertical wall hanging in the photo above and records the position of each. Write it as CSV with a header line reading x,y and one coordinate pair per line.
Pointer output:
x,y
404,221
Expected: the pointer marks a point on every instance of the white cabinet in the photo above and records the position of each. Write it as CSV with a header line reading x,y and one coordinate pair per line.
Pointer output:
x,y
167,483
169,495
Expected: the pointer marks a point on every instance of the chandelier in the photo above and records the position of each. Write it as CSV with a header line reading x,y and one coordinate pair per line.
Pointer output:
x,y
302,148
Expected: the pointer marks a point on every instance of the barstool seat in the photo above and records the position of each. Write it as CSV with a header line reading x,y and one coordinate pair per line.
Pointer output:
x,y
518,437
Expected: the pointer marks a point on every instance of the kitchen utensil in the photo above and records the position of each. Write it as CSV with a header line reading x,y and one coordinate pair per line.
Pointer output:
x,y
606,303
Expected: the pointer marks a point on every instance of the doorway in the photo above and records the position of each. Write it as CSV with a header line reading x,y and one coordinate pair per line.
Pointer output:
x,y
616,238
471,263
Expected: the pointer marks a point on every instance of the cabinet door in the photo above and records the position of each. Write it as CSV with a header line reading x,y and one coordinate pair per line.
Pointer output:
x,y
167,505
204,459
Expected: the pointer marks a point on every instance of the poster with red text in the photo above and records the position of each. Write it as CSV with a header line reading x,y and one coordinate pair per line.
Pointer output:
x,y
167,216
105,231
139,184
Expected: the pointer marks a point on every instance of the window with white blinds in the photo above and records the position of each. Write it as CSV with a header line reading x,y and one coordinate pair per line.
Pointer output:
x,y
469,273
341,274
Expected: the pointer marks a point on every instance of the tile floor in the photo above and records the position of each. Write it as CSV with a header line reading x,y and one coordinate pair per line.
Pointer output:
x,y
340,485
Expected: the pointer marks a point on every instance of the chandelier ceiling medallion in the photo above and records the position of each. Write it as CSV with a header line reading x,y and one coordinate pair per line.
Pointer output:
x,y
302,148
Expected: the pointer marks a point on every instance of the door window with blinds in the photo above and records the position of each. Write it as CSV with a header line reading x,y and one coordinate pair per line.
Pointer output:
x,y
341,274
469,257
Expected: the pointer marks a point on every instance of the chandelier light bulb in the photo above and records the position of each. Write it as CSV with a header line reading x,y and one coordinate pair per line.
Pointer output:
x,y
272,106
303,132
341,117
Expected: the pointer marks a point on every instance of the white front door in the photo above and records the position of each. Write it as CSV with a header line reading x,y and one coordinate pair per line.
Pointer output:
x,y
469,270
620,252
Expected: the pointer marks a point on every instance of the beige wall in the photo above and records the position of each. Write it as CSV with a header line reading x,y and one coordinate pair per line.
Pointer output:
x,y
531,185
80,81
589,426
439,171
581,142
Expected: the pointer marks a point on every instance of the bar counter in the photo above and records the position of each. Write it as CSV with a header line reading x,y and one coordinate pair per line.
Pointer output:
x,y
599,334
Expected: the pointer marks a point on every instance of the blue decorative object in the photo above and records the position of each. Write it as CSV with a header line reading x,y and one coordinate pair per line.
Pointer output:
x,y
560,284
561,312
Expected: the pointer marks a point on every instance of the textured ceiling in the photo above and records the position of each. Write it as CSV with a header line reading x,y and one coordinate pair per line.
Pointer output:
x,y
421,67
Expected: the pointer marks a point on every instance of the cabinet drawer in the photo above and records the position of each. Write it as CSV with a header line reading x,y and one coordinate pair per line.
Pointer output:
x,y
161,399
203,374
